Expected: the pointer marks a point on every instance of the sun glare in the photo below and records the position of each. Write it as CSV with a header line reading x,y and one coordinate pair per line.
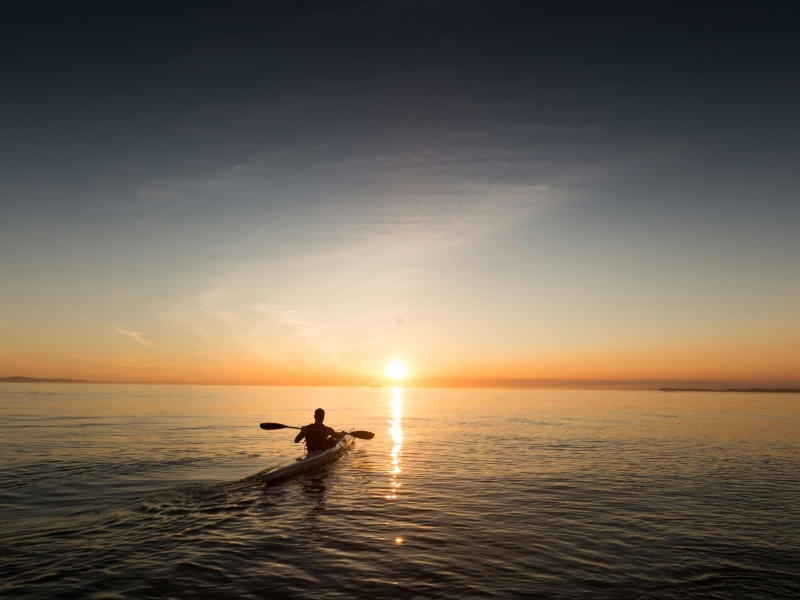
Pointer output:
x,y
396,370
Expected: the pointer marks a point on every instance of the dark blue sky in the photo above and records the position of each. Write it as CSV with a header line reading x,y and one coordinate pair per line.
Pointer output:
x,y
94,87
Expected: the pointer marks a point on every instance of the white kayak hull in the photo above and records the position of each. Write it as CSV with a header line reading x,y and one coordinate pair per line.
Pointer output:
x,y
309,461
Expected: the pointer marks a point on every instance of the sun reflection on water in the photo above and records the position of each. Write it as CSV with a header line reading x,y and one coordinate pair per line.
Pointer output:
x,y
396,432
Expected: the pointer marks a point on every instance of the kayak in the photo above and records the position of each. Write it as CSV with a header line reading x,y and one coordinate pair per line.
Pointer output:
x,y
310,460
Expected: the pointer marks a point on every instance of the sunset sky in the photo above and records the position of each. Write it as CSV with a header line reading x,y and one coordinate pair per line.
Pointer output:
x,y
300,192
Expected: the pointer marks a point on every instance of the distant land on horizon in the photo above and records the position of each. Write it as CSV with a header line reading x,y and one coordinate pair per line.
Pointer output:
x,y
751,390
18,379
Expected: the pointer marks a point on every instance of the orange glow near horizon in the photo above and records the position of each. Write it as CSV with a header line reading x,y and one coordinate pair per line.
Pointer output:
x,y
763,359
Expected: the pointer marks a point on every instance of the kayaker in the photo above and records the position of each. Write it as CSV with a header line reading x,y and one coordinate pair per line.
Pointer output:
x,y
317,435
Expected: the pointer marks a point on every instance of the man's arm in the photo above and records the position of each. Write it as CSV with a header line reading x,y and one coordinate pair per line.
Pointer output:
x,y
336,434
300,435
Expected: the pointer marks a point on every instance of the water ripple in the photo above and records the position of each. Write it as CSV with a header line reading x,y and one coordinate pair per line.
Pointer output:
x,y
568,497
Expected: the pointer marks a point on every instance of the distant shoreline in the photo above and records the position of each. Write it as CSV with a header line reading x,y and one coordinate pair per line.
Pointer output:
x,y
740,390
17,379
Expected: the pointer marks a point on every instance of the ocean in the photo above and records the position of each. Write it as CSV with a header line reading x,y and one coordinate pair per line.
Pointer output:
x,y
153,491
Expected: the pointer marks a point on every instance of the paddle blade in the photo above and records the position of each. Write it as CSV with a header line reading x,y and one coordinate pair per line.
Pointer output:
x,y
362,435
270,426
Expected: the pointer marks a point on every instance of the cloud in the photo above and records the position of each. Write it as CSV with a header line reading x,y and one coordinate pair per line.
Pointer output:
x,y
323,247
134,335
517,153
328,245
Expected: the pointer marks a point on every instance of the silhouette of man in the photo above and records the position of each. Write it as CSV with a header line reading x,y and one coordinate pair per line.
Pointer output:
x,y
317,435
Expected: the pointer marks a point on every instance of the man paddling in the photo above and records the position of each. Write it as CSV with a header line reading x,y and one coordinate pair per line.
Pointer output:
x,y
317,435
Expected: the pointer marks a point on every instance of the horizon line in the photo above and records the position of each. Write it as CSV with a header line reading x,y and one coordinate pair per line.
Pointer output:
x,y
466,383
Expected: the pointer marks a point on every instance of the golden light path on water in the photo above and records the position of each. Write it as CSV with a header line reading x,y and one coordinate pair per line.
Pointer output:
x,y
396,432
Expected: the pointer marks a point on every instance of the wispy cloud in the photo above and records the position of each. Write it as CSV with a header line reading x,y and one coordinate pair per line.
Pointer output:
x,y
134,335
518,154
335,246
336,243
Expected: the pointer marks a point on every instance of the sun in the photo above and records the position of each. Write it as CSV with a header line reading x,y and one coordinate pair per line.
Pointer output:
x,y
396,369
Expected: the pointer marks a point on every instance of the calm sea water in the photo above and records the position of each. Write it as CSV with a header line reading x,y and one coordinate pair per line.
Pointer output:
x,y
125,491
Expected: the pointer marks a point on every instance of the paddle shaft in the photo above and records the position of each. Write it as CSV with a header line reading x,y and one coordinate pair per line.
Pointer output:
x,y
363,435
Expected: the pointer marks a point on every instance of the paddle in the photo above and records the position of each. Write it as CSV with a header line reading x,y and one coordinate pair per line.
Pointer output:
x,y
362,435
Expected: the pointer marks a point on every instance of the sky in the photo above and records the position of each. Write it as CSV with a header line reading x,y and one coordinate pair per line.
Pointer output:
x,y
497,193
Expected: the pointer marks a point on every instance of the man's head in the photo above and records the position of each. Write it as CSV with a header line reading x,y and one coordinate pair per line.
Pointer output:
x,y
319,415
